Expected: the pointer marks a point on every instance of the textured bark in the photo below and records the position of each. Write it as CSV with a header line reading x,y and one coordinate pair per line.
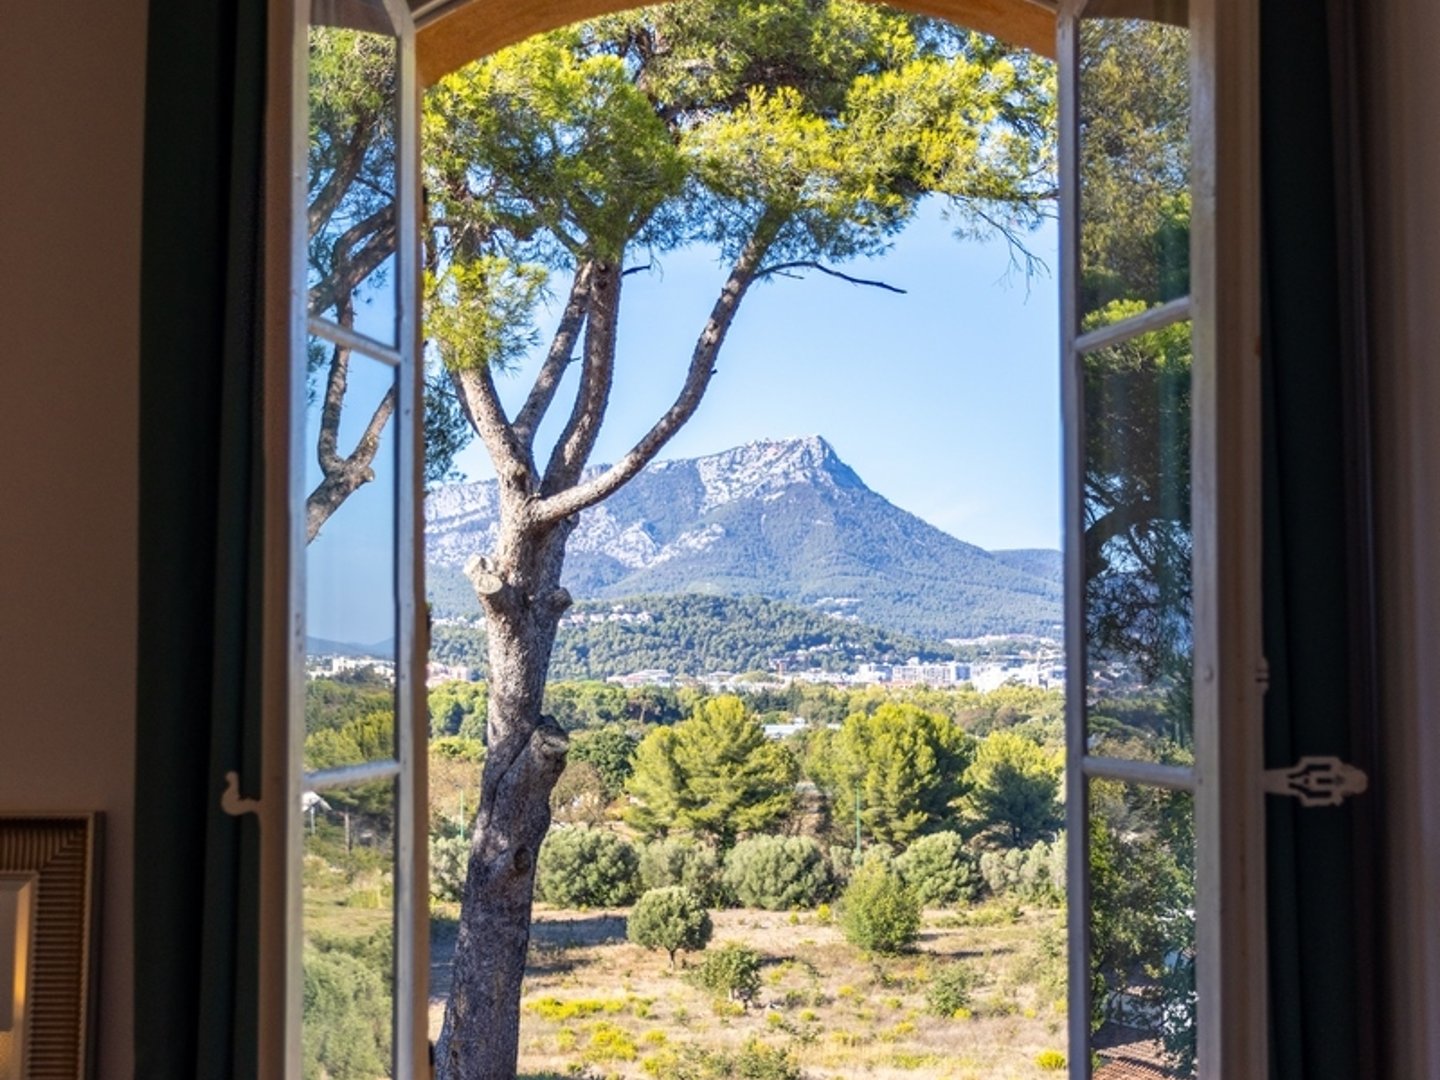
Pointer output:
x,y
523,601
519,589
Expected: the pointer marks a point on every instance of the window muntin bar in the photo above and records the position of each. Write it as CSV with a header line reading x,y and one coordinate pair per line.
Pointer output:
x,y
339,335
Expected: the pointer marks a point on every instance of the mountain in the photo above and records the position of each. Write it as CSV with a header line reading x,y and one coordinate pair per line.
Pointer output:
x,y
785,519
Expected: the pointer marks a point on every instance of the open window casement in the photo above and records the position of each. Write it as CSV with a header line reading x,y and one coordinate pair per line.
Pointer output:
x,y
1160,339
344,401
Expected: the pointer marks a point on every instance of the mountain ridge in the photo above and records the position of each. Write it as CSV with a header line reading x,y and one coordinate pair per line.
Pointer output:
x,y
783,518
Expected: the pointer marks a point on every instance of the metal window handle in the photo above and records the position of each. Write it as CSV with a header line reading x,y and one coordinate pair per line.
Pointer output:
x,y
230,800
1317,781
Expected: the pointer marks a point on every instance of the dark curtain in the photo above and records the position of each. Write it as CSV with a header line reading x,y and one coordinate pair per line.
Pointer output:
x,y
1315,546
196,879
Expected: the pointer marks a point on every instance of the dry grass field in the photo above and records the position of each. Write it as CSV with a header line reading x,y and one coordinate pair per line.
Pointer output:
x,y
599,1008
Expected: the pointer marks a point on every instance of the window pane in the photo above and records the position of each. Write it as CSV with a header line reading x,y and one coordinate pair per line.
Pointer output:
x,y
1134,143
349,931
1142,929
351,608
1137,543
352,170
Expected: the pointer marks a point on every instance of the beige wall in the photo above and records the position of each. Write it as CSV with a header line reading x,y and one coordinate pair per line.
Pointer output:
x,y
71,92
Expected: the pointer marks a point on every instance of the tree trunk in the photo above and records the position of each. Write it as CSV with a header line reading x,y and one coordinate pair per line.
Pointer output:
x,y
525,756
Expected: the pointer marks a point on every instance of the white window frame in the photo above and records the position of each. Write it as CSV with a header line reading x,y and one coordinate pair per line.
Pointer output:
x,y
1224,309
1225,312
287,327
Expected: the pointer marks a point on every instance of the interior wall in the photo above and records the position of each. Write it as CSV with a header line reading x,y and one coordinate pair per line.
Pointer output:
x,y
71,83
1403,131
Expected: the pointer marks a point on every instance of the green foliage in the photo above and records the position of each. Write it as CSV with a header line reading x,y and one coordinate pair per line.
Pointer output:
x,y
365,737
347,1013
1142,897
939,870
586,704
902,763
611,750
1013,791
579,797
877,912
778,873
1033,875
458,748
458,708
950,990
733,970
687,634
715,774
449,861
684,862
584,867
671,918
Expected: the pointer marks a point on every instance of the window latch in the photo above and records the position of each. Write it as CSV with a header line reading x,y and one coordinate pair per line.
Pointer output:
x,y
230,800
1317,781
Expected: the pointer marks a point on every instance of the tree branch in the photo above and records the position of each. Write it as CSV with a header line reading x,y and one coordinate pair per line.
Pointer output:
x,y
809,264
328,198
348,269
476,388
563,504
572,449
537,402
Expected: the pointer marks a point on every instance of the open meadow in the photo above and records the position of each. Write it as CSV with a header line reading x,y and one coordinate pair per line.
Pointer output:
x,y
597,1006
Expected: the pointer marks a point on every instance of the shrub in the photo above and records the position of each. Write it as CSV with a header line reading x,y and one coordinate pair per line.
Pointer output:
x,y
583,867
878,913
458,748
672,918
683,862
939,870
346,1014
778,873
732,970
449,862
1050,1060
754,1061
949,992
1035,874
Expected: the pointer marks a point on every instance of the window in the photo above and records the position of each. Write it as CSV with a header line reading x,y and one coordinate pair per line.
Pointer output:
x,y
1160,332
356,821
1161,385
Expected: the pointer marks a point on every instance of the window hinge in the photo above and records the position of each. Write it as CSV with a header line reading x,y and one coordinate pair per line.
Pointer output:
x,y
1317,781
230,800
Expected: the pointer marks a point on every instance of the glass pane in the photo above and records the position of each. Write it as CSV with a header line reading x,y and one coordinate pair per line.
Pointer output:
x,y
349,931
1138,547
1142,930
352,170
1134,167
351,608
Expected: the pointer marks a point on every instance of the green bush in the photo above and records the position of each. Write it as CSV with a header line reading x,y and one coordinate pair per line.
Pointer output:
x,y
672,918
940,870
458,748
949,992
449,860
878,913
347,1015
778,873
732,970
684,862
1034,875
753,1061
583,867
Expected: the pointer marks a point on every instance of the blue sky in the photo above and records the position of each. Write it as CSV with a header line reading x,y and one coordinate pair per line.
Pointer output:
x,y
945,400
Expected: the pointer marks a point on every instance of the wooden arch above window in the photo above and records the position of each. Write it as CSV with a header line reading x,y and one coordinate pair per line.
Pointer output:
x,y
453,34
